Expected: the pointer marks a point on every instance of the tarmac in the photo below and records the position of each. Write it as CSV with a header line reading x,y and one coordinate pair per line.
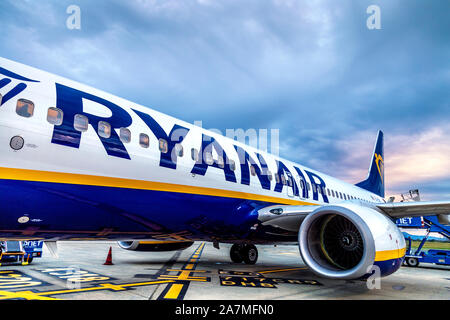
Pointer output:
x,y
201,272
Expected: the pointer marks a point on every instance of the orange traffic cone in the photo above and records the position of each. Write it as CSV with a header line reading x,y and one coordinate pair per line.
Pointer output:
x,y
108,261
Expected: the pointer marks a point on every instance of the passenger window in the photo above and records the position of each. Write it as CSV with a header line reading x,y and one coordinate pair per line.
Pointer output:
x,y
269,175
80,123
277,178
25,108
1,97
308,186
340,195
329,193
144,140
232,165
252,170
104,129
332,192
220,162
55,116
314,188
163,147
302,183
194,154
125,135
209,158
289,182
179,150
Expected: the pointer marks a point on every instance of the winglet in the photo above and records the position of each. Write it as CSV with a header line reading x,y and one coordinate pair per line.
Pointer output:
x,y
375,180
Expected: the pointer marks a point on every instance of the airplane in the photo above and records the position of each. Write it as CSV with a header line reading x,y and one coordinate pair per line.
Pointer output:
x,y
78,163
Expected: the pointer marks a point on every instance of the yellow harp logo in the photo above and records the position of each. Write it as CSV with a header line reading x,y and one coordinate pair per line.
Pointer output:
x,y
380,165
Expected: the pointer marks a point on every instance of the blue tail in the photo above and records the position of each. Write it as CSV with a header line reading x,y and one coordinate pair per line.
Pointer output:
x,y
375,180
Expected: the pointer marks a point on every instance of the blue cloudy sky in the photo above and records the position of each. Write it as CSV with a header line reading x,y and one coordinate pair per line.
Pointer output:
x,y
311,69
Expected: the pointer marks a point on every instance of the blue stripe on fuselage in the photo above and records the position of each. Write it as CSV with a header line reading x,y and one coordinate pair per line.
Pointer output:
x,y
107,212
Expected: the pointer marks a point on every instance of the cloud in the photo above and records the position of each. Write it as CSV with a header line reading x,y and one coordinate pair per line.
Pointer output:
x,y
420,160
308,68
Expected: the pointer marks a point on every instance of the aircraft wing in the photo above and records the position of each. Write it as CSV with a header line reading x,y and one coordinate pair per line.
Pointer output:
x,y
415,209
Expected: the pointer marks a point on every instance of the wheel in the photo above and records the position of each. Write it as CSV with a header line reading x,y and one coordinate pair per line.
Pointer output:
x,y
412,262
30,259
235,253
249,254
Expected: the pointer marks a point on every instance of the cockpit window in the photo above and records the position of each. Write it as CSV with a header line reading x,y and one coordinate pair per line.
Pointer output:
x,y
25,108
80,122
55,116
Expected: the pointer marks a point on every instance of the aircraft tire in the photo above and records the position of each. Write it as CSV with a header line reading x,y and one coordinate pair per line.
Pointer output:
x,y
235,253
249,253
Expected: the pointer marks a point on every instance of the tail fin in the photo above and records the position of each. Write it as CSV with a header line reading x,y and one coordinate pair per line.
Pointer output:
x,y
375,180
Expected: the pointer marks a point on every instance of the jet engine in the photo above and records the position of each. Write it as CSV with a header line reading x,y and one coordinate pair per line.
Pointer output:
x,y
154,245
346,241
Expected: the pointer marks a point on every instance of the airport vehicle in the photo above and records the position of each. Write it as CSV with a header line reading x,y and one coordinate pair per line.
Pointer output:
x,y
431,224
20,251
78,163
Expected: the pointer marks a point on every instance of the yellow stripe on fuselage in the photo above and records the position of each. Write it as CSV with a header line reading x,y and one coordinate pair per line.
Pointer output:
x,y
390,254
92,180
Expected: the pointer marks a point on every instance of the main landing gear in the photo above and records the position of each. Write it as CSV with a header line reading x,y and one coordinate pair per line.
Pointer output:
x,y
244,252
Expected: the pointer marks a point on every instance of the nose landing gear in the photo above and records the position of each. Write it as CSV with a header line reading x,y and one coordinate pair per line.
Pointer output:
x,y
244,252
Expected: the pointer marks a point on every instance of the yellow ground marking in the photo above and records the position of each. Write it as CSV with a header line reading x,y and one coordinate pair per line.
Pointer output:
x,y
29,295
281,270
184,275
174,291
184,270
92,180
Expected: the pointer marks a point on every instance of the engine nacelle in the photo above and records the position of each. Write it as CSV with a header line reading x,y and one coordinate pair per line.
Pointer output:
x,y
345,241
136,245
